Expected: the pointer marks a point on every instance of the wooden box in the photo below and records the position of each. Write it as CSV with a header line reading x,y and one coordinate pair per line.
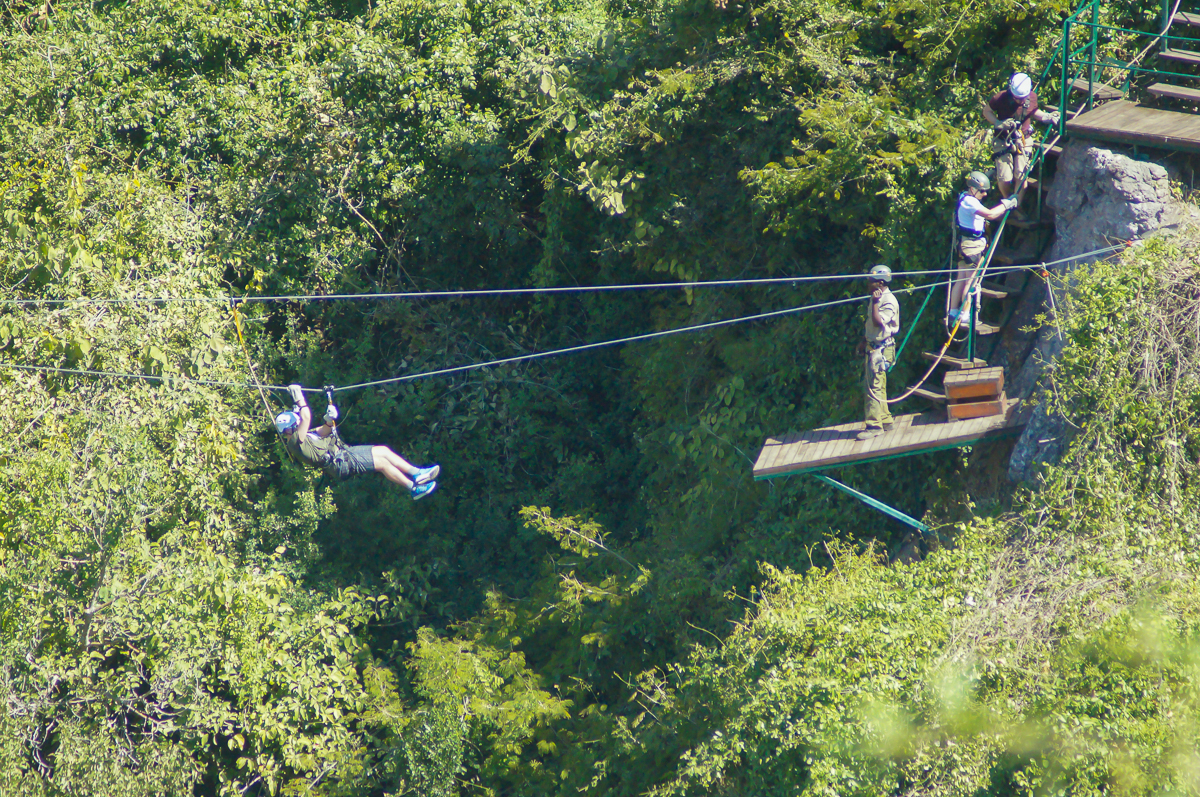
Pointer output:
x,y
961,410
975,383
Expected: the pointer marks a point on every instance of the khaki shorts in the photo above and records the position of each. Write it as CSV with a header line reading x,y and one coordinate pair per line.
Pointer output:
x,y
970,251
1010,165
351,461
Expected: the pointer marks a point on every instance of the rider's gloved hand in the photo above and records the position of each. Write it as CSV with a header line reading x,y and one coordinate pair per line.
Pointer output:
x,y
297,394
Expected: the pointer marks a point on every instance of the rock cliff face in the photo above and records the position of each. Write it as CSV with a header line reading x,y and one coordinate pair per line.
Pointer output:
x,y
1099,197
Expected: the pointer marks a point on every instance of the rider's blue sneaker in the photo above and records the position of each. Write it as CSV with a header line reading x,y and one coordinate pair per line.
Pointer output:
x,y
422,475
419,491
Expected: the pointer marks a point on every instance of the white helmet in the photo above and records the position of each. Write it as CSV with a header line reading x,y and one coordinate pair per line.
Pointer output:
x,y
286,422
1020,85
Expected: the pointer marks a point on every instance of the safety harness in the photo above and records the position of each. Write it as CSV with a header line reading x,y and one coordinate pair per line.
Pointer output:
x,y
1013,140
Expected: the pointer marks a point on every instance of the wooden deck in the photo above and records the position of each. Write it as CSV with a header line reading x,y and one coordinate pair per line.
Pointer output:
x,y
835,446
1129,123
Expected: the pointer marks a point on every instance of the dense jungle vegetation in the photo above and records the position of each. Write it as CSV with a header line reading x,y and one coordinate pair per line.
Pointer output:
x,y
599,599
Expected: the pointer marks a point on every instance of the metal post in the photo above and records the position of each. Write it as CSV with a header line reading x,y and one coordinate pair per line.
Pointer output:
x,y
1041,156
1062,95
971,331
1092,53
1165,44
874,504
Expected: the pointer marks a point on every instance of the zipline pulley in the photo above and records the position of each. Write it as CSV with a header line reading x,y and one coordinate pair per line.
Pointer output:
x,y
332,421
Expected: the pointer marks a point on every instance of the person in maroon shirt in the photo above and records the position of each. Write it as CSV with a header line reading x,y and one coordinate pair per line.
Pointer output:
x,y
1012,113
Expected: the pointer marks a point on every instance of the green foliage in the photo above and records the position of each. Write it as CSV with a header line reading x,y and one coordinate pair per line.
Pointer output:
x,y
184,611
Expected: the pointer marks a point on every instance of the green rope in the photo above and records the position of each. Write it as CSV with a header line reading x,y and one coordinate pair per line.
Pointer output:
x,y
912,327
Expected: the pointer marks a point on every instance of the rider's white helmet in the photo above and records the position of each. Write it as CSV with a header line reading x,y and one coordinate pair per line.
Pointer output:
x,y
1020,85
286,422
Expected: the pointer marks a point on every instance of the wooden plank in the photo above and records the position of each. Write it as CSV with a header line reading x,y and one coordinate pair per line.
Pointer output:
x,y
824,445
1182,56
1175,92
768,455
1185,18
961,384
914,432
977,382
1129,122
1028,224
930,395
977,409
1051,151
955,362
768,452
1101,91
994,290
798,450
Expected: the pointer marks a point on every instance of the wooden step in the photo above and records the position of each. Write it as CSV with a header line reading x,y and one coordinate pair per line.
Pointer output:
x,y
1175,92
975,383
985,329
977,409
930,395
1101,91
1037,185
1028,224
1051,152
1012,256
1184,18
994,290
955,362
1182,56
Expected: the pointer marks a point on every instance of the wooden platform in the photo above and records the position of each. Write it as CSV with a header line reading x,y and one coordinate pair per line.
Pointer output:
x,y
1100,91
1129,123
835,446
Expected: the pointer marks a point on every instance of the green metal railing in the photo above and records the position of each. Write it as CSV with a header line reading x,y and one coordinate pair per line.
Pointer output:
x,y
1086,38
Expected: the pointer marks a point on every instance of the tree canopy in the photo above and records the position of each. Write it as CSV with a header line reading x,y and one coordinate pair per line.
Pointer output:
x,y
599,599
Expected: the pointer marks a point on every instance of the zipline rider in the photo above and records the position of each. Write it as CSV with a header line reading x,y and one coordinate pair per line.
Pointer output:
x,y
323,448
1011,114
970,216
883,323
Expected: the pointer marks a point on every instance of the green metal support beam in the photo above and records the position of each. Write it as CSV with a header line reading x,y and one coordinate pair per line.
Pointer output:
x,y
876,504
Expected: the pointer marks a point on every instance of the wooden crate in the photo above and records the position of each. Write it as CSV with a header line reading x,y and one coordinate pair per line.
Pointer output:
x,y
975,383
962,410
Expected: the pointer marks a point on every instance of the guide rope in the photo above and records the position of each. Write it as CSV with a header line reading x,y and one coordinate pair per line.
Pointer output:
x,y
237,322
461,368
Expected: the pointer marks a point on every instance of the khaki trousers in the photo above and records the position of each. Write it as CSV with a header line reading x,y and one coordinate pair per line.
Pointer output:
x,y
877,410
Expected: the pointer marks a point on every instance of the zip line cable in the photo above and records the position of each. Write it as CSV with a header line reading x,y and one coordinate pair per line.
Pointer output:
x,y
461,368
631,339
345,297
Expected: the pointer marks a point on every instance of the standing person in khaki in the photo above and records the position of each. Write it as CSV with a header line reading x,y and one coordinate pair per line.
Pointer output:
x,y
1011,114
883,322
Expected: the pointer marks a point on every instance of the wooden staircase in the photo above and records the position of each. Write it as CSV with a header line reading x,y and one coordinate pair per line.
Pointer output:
x,y
1159,113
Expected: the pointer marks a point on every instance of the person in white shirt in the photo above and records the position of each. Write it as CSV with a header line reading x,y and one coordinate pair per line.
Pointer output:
x,y
970,215
883,322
